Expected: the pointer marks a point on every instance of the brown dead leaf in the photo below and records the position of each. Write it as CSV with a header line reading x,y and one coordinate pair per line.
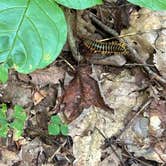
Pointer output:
x,y
7,157
160,150
121,15
157,118
83,24
48,75
110,158
16,93
82,92
141,33
158,108
32,153
39,96
46,99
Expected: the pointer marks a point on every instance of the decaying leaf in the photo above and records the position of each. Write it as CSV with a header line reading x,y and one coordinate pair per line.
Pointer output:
x,y
39,96
158,117
148,133
32,153
8,157
82,92
87,141
49,75
121,15
142,32
16,93
84,26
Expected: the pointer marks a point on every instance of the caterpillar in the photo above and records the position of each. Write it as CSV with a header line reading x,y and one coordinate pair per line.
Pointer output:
x,y
106,48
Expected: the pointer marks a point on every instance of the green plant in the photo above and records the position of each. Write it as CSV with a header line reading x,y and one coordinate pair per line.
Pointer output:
x,y
33,33
56,126
17,125
151,4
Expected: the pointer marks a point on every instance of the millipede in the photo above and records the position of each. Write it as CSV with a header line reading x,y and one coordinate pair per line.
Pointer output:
x,y
105,48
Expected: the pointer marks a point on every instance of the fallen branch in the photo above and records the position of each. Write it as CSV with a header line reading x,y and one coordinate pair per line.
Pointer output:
x,y
103,26
71,40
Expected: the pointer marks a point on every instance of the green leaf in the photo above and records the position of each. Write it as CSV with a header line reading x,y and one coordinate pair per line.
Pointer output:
x,y
19,113
17,125
151,4
17,134
64,129
53,129
3,121
55,119
32,33
79,4
3,111
3,128
19,119
3,73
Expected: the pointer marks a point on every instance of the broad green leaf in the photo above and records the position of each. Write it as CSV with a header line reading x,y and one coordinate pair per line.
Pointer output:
x,y
64,129
53,129
55,119
79,4
3,73
32,33
151,4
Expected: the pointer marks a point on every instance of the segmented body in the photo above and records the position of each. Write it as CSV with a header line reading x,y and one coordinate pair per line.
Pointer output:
x,y
105,48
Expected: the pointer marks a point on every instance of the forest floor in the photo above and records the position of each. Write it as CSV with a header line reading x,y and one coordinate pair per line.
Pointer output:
x,y
108,85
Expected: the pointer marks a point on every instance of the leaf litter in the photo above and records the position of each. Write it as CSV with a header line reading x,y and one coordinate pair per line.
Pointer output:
x,y
82,92
116,115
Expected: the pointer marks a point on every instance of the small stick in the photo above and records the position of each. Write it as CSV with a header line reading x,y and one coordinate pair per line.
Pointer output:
x,y
138,64
113,150
123,154
142,162
57,151
70,65
103,26
145,105
134,56
133,34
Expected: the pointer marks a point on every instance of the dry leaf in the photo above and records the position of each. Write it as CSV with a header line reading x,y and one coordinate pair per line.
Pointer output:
x,y
39,96
46,76
82,92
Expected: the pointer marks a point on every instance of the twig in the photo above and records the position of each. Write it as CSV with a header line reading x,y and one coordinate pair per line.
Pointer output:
x,y
144,106
135,57
138,64
113,150
140,161
123,154
71,39
68,63
57,151
103,26
132,34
